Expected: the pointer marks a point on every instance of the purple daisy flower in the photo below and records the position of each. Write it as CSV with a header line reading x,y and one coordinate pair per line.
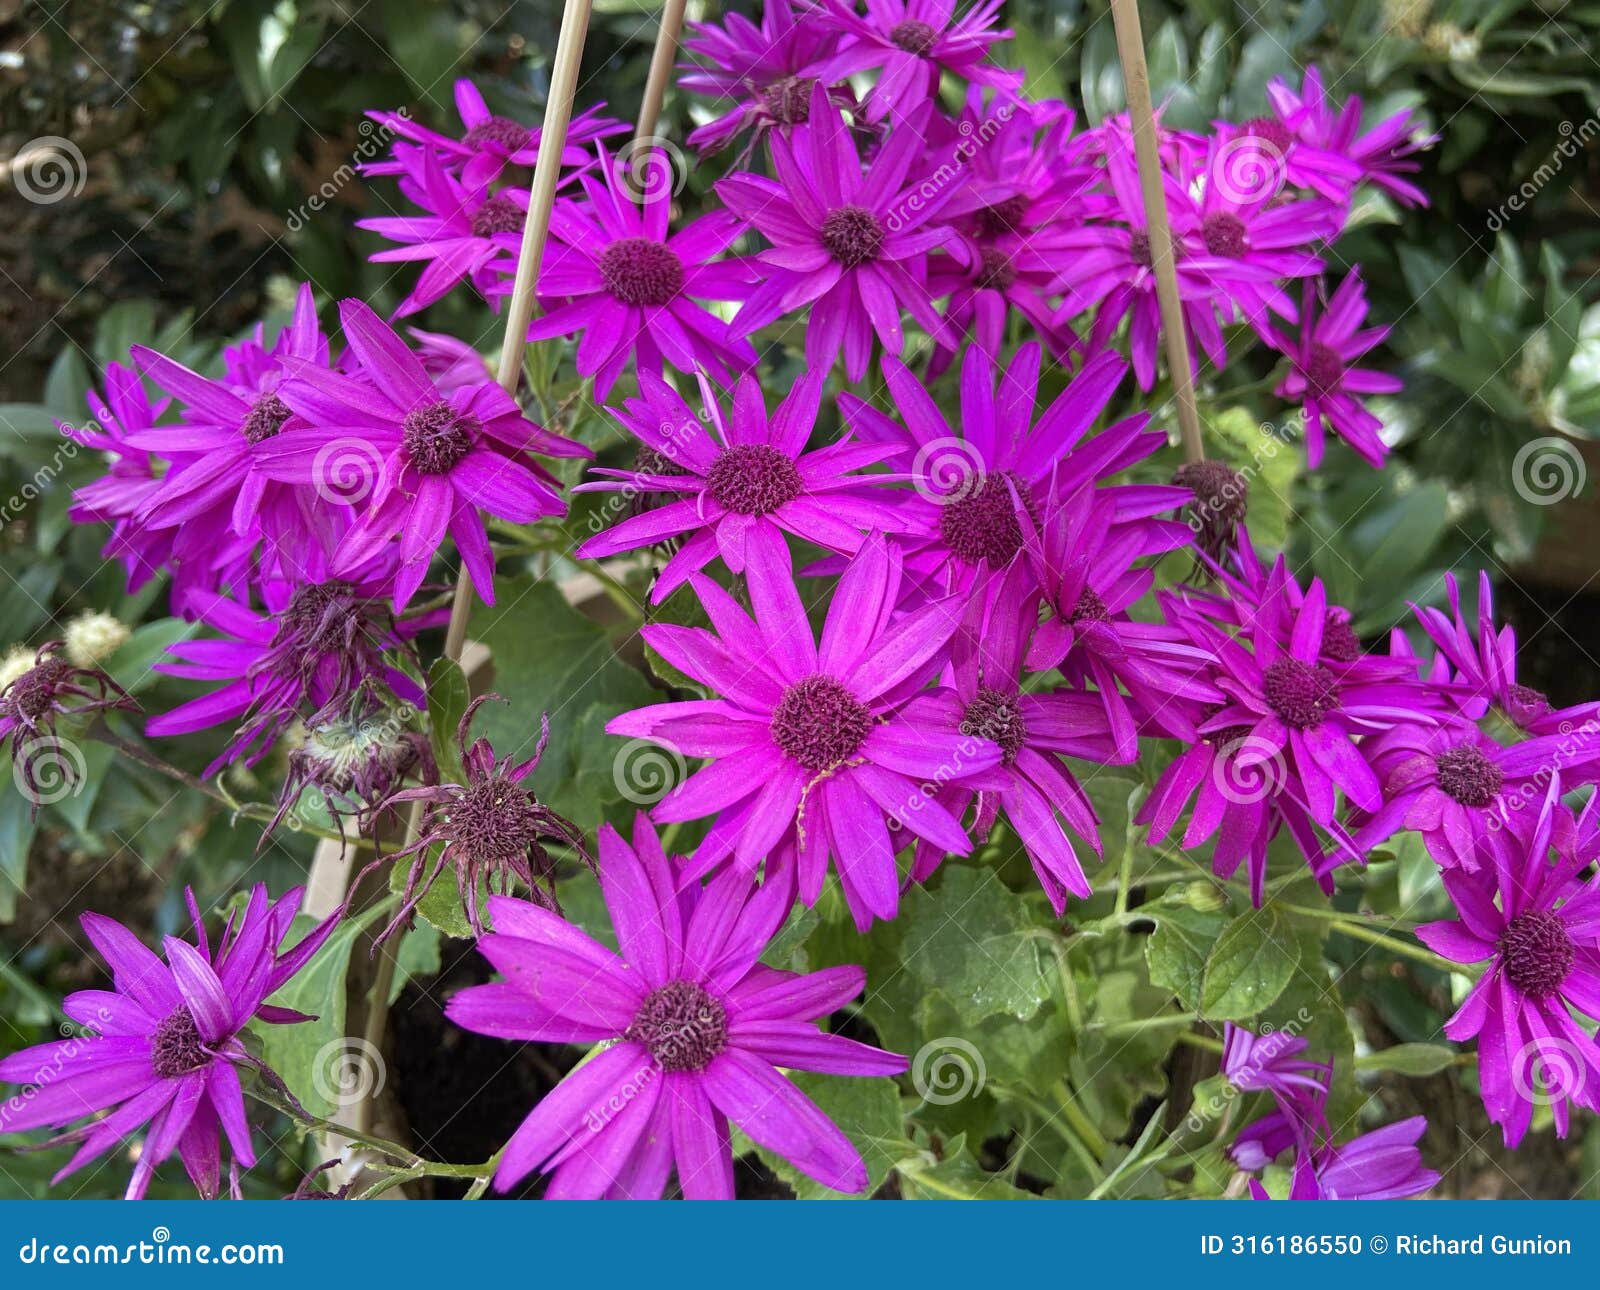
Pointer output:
x,y
1032,786
811,747
1324,378
735,493
632,288
1084,562
488,142
1274,1063
1382,1165
1380,155
1541,943
163,1046
1003,459
462,233
440,458
851,244
1461,790
761,77
912,43
216,488
122,496
694,1030
317,643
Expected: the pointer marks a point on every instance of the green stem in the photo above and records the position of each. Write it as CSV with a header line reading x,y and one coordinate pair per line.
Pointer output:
x,y
1360,933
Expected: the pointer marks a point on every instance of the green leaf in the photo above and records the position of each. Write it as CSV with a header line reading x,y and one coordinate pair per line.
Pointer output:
x,y
130,664
1417,1060
17,826
1249,967
1176,952
447,701
924,1176
972,939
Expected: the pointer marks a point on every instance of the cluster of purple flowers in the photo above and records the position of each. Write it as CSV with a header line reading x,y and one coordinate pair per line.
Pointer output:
x,y
994,619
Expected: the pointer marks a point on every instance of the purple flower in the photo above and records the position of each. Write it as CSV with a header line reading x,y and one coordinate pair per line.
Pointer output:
x,y
463,232
736,492
1084,562
123,495
1461,790
489,143
632,288
912,43
811,747
851,244
217,488
1273,1063
1382,1165
31,704
1323,377
694,1028
1541,945
1003,458
1032,786
761,77
489,828
317,643
441,458
163,1045
1380,155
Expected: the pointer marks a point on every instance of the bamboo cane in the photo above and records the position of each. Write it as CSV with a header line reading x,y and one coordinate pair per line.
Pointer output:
x,y
1141,111
660,70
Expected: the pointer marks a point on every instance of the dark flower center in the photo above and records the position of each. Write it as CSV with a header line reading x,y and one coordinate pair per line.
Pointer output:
x,y
682,1024
641,271
497,215
1339,639
914,36
437,437
1224,234
820,723
498,133
1468,776
1089,609
1221,493
1003,217
1139,248
1271,131
1537,953
176,1048
753,479
496,823
996,272
788,102
265,418
1324,370
981,527
33,694
1300,694
995,715
852,235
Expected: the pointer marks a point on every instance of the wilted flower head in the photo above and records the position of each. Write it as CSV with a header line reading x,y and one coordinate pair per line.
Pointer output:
x,y
33,702
490,829
1221,502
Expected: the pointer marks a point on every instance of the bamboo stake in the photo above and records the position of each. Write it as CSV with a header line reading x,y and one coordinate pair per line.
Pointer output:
x,y
660,70
1141,111
519,312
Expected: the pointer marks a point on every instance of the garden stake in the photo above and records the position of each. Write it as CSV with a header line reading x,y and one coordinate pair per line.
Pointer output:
x,y
660,69
1141,112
